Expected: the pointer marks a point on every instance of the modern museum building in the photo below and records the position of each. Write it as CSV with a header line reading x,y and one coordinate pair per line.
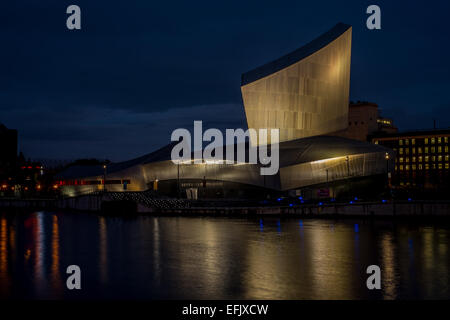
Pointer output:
x,y
304,94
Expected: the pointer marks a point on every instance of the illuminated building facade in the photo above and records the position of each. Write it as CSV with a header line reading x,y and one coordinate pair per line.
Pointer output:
x,y
305,95
422,158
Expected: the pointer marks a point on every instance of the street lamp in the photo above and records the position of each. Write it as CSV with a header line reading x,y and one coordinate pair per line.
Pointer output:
x,y
387,168
104,178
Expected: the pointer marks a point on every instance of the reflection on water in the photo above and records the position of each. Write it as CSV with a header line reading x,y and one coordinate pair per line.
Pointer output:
x,y
219,258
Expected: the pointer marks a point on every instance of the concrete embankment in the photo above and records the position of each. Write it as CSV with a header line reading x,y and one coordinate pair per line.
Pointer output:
x,y
96,203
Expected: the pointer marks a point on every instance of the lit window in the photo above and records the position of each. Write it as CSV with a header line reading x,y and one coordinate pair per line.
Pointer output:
x,y
414,167
400,142
439,149
439,140
401,159
440,166
413,159
420,166
434,165
433,149
445,139
413,150
427,158
426,140
420,158
406,159
376,142
407,142
433,140
433,158
446,149
446,165
419,150
407,151
400,151
446,157
413,141
427,166
439,158
426,149
401,167
407,167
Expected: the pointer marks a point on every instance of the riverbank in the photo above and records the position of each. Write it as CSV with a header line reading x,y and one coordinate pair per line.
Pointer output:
x,y
104,202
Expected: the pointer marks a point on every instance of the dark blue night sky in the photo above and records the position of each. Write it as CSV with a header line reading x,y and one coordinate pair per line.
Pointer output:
x,y
139,69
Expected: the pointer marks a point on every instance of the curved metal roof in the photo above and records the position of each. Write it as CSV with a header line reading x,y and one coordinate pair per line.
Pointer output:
x,y
295,56
291,152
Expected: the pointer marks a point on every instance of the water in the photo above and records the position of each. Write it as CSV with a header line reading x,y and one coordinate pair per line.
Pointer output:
x,y
219,258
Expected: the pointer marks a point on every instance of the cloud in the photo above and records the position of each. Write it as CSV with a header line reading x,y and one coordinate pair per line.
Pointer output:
x,y
117,134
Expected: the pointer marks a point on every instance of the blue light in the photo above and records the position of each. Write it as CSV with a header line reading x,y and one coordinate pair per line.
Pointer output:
x,y
291,205
351,202
384,201
356,227
356,198
333,199
261,225
303,201
279,199
300,223
300,198
320,203
409,199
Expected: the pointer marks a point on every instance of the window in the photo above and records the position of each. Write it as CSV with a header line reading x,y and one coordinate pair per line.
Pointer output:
x,y
401,167
426,158
440,166
413,150
439,140
406,159
433,158
420,158
419,150
413,142
420,166
446,139
433,149
426,140
401,159
407,142
439,158
413,159
427,166
414,167
400,142
400,151
433,140
407,151
439,149
376,142
426,149
446,157
446,165
407,167
446,149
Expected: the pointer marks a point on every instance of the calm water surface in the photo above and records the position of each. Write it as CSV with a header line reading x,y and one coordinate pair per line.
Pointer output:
x,y
220,258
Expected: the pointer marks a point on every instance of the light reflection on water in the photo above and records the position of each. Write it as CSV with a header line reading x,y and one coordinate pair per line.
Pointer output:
x,y
220,258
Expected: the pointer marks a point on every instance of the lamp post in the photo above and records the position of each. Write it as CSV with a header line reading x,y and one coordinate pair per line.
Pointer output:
x,y
387,169
104,178
347,159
